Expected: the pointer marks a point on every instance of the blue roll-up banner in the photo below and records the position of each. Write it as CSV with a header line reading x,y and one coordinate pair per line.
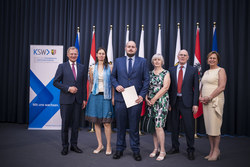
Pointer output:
x,y
44,108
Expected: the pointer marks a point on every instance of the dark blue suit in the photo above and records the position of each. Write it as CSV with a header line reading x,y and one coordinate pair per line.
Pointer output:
x,y
139,77
70,104
183,105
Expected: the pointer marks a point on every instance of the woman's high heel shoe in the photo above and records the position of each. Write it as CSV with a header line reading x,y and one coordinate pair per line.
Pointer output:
x,y
108,152
214,159
207,157
161,156
96,151
153,154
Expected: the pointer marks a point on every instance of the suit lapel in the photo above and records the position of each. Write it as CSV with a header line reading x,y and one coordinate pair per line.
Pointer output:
x,y
70,69
78,70
124,65
186,74
175,74
134,65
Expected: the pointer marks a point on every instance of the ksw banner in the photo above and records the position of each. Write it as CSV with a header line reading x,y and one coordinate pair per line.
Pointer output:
x,y
44,108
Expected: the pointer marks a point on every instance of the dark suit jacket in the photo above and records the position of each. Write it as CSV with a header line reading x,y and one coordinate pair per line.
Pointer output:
x,y
64,78
190,86
139,76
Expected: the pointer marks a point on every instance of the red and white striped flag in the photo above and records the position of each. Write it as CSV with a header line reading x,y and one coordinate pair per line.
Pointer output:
x,y
197,64
92,59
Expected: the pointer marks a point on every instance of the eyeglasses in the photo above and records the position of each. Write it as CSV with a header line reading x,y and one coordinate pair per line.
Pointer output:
x,y
182,55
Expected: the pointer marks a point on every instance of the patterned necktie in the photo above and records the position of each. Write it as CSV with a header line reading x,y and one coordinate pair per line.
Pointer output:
x,y
180,79
74,71
130,65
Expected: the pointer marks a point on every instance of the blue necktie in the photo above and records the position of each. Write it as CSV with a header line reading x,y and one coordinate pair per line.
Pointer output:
x,y
129,65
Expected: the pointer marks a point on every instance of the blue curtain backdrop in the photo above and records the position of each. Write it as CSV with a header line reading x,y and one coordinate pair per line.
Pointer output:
x,y
55,22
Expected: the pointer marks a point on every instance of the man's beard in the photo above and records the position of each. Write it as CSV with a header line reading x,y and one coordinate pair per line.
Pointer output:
x,y
130,55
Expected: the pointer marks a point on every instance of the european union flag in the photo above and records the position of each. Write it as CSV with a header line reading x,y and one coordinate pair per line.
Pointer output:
x,y
77,45
215,46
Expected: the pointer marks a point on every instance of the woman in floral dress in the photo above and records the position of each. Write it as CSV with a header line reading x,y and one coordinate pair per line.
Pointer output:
x,y
158,101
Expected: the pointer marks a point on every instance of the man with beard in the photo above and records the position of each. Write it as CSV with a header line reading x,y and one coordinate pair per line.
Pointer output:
x,y
129,71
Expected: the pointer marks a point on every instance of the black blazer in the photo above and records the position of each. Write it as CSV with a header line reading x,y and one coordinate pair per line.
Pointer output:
x,y
190,86
64,78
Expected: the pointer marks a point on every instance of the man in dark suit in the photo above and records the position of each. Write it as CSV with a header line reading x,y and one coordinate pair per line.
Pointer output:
x,y
70,78
184,98
129,71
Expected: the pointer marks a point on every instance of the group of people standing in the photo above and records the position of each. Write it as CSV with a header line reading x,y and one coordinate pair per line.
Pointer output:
x,y
176,91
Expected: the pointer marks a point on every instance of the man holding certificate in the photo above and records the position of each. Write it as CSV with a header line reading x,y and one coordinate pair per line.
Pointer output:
x,y
128,72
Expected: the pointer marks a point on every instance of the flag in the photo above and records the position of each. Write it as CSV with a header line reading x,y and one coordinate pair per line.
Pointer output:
x,y
215,46
158,48
197,64
92,52
127,34
141,47
178,45
91,59
77,44
110,47
141,54
127,37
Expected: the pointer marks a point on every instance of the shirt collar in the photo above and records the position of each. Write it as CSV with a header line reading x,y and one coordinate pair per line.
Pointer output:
x,y
133,57
70,62
184,66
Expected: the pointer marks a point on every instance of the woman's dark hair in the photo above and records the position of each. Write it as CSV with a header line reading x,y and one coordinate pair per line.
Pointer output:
x,y
105,63
216,53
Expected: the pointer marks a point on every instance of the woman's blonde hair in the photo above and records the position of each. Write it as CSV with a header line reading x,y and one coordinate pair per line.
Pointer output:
x,y
157,56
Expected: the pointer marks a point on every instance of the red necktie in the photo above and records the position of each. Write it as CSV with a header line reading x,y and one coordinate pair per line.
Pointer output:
x,y
74,71
180,79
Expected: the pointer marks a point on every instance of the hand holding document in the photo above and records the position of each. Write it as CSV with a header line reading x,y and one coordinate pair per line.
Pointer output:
x,y
130,96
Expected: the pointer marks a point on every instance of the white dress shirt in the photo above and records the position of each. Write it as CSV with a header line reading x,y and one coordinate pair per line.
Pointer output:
x,y
177,74
133,61
75,65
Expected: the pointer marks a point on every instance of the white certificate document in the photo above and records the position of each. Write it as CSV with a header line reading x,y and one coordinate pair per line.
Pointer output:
x,y
130,96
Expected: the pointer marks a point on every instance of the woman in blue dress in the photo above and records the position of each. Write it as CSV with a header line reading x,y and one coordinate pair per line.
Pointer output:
x,y
99,108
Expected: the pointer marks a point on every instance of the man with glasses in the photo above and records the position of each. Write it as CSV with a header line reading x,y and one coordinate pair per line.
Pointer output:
x,y
184,99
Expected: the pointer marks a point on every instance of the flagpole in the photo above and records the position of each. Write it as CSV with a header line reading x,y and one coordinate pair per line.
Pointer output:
x,y
175,64
77,32
140,132
195,120
92,124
